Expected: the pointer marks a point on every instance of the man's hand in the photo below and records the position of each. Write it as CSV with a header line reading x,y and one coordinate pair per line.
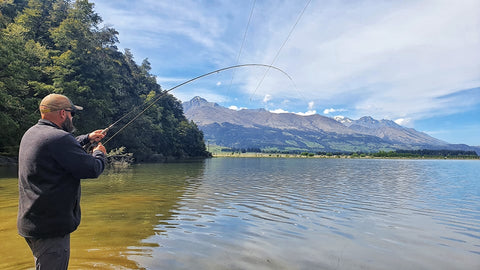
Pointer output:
x,y
96,136
100,147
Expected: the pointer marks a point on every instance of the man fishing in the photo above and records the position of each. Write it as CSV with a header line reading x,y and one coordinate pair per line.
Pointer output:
x,y
51,164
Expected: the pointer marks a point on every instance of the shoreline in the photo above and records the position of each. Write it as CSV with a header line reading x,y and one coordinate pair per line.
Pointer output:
x,y
275,155
6,161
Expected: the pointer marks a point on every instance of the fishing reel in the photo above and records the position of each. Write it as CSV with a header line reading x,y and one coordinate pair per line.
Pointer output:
x,y
88,147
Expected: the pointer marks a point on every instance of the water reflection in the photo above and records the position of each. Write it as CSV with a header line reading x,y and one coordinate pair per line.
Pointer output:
x,y
271,214
118,210
328,214
123,208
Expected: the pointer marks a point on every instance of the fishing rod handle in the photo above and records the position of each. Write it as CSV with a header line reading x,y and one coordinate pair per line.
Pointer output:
x,y
88,147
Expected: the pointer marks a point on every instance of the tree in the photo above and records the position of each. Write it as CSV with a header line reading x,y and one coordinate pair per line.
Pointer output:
x,y
58,47
21,80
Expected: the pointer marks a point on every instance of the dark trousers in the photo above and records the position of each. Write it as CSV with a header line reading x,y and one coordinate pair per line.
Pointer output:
x,y
50,253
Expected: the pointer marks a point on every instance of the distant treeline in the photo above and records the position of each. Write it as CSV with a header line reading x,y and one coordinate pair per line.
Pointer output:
x,y
61,46
396,153
242,150
426,153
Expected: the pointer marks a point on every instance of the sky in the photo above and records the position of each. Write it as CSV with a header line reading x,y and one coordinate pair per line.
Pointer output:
x,y
413,62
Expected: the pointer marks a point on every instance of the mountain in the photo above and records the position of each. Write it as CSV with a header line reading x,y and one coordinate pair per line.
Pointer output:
x,y
391,131
259,128
204,113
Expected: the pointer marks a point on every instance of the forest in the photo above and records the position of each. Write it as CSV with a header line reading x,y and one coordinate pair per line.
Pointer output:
x,y
59,46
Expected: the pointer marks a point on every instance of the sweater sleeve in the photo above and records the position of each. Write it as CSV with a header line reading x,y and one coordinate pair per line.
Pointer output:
x,y
71,156
82,139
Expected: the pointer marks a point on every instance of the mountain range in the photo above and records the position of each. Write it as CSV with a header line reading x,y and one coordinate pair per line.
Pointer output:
x,y
259,128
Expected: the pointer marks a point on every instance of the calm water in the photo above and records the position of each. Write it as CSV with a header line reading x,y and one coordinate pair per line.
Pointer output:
x,y
248,213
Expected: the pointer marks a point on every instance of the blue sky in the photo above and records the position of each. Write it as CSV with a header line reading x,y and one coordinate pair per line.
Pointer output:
x,y
413,62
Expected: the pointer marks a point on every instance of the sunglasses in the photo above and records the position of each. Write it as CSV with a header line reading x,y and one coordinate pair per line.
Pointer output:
x,y
72,112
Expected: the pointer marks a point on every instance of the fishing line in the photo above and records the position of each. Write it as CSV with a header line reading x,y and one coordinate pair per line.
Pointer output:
x,y
281,47
243,43
179,85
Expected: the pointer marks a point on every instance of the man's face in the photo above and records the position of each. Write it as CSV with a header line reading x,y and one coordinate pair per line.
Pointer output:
x,y
67,125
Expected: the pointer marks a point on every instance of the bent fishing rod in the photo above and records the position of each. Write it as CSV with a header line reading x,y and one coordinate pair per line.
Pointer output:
x,y
163,93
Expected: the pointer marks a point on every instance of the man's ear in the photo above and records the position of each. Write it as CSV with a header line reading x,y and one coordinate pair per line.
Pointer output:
x,y
63,114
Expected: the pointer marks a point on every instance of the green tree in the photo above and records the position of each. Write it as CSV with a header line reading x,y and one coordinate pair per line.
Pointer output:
x,y
58,47
21,80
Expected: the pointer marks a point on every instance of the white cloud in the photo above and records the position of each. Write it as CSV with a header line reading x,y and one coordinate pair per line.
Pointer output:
x,y
188,19
310,112
279,111
267,98
332,110
407,122
219,83
235,108
307,113
310,105
327,111
392,59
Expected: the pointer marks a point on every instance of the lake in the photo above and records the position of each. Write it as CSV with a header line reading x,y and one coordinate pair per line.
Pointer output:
x,y
269,213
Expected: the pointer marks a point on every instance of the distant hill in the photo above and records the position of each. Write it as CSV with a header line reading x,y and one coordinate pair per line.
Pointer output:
x,y
258,128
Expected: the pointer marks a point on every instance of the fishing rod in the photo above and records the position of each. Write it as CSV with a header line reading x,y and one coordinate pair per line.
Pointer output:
x,y
90,146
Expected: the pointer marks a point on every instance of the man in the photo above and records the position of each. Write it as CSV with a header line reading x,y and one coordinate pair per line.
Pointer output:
x,y
51,164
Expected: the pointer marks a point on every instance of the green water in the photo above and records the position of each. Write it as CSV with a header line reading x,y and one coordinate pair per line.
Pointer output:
x,y
118,210
253,213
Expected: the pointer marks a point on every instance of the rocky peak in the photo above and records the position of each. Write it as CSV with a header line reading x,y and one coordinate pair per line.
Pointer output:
x,y
198,102
370,123
344,120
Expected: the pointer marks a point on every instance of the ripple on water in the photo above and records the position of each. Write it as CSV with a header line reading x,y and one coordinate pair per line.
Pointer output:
x,y
299,214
